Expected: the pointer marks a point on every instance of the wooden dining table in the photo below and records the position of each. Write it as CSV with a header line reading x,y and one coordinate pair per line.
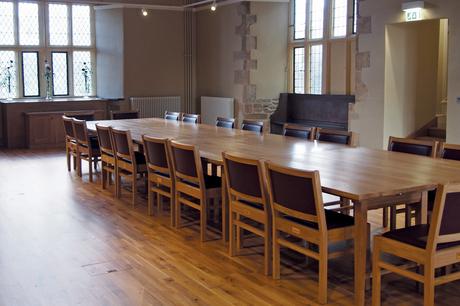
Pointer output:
x,y
370,178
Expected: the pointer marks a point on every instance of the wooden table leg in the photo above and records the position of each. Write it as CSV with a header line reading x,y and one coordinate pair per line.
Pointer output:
x,y
360,210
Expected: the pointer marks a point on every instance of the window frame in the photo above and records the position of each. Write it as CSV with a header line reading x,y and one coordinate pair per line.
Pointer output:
x,y
45,49
326,41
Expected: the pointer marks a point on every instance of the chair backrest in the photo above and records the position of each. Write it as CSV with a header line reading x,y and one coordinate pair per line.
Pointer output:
x,y
413,146
225,122
336,136
105,140
68,127
80,131
157,154
123,145
254,126
244,179
449,151
172,116
299,131
191,118
444,225
295,193
187,164
118,115
83,116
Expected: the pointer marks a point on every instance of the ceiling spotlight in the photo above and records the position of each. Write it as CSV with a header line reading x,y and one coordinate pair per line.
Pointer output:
x,y
144,12
214,6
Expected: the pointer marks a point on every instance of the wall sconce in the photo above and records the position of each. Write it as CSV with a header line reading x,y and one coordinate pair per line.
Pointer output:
x,y
144,12
214,6
413,10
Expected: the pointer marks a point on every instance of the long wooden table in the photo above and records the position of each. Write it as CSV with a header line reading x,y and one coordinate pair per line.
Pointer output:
x,y
371,178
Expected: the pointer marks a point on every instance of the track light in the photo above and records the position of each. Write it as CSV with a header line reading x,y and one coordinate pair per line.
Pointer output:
x,y
144,12
214,6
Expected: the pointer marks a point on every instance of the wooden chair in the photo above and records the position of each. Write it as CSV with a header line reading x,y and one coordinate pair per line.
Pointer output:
x,y
129,163
192,187
432,246
247,203
225,122
411,146
70,143
191,118
297,210
299,131
87,147
337,136
160,174
119,115
172,116
254,126
108,161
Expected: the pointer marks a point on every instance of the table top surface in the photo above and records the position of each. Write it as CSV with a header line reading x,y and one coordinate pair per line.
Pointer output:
x,y
355,173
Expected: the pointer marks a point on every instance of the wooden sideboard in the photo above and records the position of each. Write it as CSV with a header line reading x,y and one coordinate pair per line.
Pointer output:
x,y
37,123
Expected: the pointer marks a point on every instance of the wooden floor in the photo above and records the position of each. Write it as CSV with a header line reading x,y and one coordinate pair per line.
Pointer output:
x,y
64,241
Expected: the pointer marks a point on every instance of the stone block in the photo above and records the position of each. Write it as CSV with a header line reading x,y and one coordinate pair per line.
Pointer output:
x,y
363,60
365,25
241,77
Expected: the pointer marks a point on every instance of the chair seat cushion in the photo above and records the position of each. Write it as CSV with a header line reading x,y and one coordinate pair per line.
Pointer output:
x,y
333,220
417,236
212,181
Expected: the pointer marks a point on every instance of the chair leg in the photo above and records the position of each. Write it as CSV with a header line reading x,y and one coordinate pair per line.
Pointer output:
x,y
203,219
178,209
393,217
232,233
159,203
67,153
239,236
90,161
322,292
172,207
385,217
118,185
428,286
104,176
150,196
267,250
276,255
376,275
134,189
408,215
74,162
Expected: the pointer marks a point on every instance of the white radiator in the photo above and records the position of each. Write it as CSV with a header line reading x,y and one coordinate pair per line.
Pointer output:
x,y
213,107
150,107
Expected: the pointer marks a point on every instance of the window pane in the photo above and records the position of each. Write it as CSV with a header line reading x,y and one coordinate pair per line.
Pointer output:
x,y
28,23
299,70
82,73
6,23
316,19
339,18
81,25
60,73
58,24
300,10
30,74
316,69
7,74
355,16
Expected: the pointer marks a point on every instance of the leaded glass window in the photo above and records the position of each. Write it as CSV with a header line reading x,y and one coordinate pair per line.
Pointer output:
x,y
299,70
300,18
81,25
7,74
339,18
29,33
316,69
316,19
30,74
59,64
58,24
7,23
82,73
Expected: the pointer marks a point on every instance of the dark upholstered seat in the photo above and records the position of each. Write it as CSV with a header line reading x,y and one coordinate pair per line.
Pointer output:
x,y
191,118
124,115
297,133
175,116
254,126
341,139
411,149
333,220
228,123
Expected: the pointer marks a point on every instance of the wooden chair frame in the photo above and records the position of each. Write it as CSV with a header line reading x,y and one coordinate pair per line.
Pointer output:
x,y
177,114
70,144
108,160
126,164
322,237
430,257
238,208
184,190
298,127
113,114
352,136
161,185
84,150
408,208
443,146
197,117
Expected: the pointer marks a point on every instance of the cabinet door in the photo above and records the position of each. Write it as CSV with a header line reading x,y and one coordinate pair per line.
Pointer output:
x,y
59,134
41,131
